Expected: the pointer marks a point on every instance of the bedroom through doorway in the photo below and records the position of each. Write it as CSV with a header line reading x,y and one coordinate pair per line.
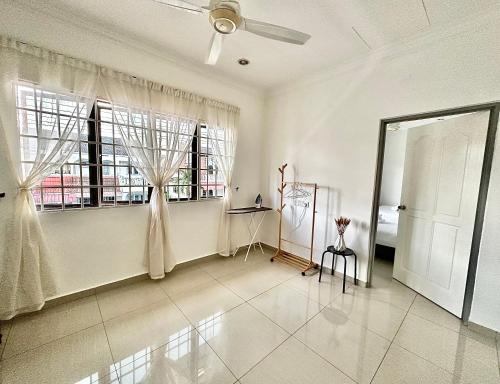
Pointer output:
x,y
432,184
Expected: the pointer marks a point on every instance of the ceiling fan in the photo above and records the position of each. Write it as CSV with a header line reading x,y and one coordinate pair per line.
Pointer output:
x,y
225,18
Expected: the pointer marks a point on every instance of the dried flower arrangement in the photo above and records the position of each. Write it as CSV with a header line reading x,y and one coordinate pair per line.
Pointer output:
x,y
342,223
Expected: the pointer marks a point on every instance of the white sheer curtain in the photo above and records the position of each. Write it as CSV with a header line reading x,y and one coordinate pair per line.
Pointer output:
x,y
156,147
170,115
26,276
222,128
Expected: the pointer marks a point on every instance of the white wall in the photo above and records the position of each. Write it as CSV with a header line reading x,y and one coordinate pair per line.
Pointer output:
x,y
392,176
326,127
94,247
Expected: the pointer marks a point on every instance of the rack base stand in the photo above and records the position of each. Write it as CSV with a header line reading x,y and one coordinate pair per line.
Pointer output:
x,y
284,256
295,261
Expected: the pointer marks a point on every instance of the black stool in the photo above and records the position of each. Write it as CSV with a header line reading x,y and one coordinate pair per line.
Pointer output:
x,y
344,253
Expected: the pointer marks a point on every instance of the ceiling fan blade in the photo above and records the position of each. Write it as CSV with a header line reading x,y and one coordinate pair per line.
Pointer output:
x,y
182,5
274,32
214,49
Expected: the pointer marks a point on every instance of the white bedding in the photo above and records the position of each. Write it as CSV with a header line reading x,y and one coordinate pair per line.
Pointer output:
x,y
387,234
387,228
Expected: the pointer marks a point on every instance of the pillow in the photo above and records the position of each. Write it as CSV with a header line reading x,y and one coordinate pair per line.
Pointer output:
x,y
388,214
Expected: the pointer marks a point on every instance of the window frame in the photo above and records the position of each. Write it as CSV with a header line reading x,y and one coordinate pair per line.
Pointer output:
x,y
95,162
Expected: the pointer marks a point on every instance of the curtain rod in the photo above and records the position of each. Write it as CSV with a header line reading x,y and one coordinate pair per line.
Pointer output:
x,y
12,43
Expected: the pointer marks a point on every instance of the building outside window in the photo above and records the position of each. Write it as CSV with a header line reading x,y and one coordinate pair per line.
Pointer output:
x,y
98,172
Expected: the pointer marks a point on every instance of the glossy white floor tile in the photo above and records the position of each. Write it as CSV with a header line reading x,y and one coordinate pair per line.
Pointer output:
x,y
393,293
463,356
286,306
401,366
498,350
125,299
225,320
250,283
186,359
222,266
350,347
378,316
242,337
293,363
31,331
5,329
83,357
205,301
182,280
428,310
323,292
149,327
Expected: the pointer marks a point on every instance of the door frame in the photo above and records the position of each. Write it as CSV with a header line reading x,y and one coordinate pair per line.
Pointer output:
x,y
494,110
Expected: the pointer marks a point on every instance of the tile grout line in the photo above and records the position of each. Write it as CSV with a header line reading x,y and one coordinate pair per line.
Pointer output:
x,y
5,340
430,361
53,340
392,341
248,302
498,355
441,326
312,350
239,305
292,334
195,328
258,362
80,330
150,304
451,329
107,339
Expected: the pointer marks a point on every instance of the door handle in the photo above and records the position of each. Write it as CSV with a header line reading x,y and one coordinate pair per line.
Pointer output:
x,y
401,207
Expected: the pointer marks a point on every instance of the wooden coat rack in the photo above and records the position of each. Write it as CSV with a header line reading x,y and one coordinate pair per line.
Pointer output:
x,y
284,256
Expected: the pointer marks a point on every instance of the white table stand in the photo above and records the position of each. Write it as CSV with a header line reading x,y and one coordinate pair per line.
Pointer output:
x,y
253,225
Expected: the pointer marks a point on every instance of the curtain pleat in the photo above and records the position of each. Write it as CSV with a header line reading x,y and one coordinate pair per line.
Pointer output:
x,y
156,150
27,279
223,134
26,273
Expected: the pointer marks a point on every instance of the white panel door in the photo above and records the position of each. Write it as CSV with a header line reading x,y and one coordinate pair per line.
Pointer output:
x,y
440,188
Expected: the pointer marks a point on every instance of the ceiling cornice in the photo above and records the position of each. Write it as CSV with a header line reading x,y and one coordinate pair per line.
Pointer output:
x,y
405,46
435,34
131,41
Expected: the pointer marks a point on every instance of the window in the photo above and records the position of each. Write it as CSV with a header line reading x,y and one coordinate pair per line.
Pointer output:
x,y
211,180
98,172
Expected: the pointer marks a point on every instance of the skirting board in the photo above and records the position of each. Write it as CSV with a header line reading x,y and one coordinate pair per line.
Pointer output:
x,y
483,330
350,279
116,284
120,283
144,276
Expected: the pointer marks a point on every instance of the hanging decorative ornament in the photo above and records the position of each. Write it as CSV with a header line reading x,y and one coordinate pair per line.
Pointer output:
x,y
342,223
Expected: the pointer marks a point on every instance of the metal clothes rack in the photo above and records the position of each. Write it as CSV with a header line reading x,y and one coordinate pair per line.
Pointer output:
x,y
284,256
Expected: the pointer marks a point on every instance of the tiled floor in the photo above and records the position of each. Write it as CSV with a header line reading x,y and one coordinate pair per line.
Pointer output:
x,y
227,321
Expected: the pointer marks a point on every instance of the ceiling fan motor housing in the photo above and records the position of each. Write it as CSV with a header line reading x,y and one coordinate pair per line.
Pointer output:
x,y
225,20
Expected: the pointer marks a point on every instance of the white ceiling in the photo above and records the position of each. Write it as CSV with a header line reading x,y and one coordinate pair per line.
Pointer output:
x,y
341,30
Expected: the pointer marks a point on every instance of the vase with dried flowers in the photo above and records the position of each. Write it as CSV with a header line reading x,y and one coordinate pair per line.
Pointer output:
x,y
342,223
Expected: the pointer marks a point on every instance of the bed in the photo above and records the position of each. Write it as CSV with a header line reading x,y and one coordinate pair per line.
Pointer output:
x,y
387,228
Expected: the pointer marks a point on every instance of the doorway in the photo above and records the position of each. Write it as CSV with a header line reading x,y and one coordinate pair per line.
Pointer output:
x,y
429,200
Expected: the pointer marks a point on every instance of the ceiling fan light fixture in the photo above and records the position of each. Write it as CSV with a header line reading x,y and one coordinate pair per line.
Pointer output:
x,y
224,20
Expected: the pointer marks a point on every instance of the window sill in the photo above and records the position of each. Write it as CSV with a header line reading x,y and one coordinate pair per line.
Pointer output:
x,y
51,211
